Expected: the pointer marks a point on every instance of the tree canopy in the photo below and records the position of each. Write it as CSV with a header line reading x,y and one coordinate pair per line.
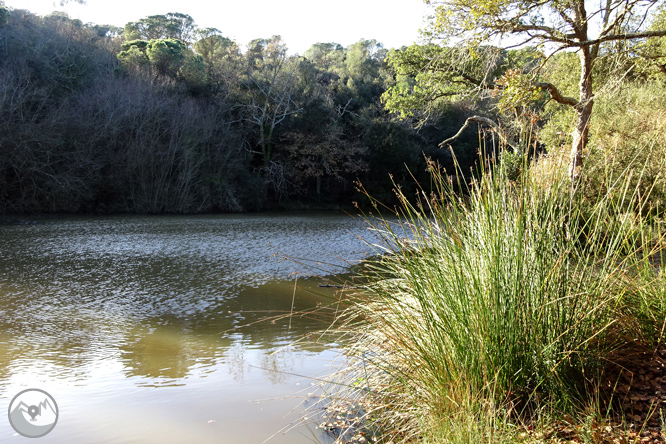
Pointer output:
x,y
173,25
462,31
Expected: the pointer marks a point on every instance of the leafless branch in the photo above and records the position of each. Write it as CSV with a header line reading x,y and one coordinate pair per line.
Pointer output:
x,y
478,119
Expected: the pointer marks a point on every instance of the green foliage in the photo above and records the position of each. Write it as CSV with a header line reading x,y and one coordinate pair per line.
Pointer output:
x,y
394,157
173,25
109,31
625,134
4,16
653,51
58,18
565,68
430,77
363,60
133,54
486,311
551,26
77,137
516,92
141,45
326,56
629,139
214,47
166,55
266,54
513,165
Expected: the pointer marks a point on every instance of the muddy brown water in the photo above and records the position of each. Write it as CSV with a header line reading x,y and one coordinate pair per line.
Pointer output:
x,y
149,329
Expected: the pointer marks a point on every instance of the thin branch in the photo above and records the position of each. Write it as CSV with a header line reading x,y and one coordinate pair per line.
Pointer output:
x,y
551,33
478,119
626,36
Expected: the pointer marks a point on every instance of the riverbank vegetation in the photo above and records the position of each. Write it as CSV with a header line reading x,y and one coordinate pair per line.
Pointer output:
x,y
528,303
512,314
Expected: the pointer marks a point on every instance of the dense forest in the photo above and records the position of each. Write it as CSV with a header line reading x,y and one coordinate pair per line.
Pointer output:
x,y
164,116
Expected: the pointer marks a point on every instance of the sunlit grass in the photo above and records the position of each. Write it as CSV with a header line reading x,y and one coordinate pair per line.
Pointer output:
x,y
490,308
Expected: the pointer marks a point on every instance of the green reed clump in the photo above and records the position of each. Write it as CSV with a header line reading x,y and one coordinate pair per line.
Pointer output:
x,y
494,304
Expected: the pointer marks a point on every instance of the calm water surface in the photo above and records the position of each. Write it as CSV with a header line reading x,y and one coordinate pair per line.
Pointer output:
x,y
144,329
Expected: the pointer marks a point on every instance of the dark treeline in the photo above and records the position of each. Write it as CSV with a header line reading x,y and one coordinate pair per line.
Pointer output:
x,y
163,116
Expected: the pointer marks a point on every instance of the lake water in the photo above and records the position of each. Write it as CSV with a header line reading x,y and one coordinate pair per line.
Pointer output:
x,y
153,329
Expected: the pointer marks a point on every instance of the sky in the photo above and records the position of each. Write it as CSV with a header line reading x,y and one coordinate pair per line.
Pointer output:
x,y
301,23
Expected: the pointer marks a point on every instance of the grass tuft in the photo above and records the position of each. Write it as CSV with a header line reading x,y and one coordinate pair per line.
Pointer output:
x,y
491,307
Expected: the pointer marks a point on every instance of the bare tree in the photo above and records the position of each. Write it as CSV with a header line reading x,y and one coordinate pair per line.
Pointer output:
x,y
269,91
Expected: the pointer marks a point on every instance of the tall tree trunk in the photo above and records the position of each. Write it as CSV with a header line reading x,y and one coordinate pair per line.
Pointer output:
x,y
583,113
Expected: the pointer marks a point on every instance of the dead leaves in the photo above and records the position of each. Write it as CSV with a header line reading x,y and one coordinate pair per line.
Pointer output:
x,y
634,384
